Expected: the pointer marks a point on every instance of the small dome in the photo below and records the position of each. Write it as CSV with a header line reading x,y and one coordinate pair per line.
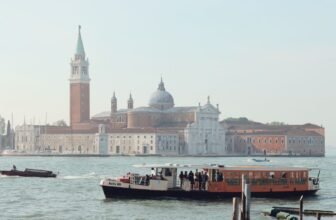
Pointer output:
x,y
161,99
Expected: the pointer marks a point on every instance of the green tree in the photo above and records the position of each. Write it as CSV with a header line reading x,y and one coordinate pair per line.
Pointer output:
x,y
60,123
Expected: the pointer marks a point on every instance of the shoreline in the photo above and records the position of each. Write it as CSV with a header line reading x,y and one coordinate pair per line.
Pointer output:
x,y
150,155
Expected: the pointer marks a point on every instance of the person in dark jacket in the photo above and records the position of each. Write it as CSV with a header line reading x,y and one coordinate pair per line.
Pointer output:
x,y
200,175
186,174
204,180
181,176
191,179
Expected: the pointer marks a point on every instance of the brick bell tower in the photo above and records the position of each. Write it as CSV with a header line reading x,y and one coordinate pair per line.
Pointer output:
x,y
79,85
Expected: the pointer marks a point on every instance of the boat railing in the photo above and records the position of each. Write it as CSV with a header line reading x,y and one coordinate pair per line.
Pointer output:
x,y
187,186
267,181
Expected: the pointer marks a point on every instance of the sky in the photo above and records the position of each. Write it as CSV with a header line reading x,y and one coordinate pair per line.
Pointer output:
x,y
264,60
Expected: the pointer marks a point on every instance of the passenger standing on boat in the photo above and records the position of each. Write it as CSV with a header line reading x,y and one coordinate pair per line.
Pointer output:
x,y
161,177
200,175
14,167
191,179
204,180
217,176
147,180
220,177
181,176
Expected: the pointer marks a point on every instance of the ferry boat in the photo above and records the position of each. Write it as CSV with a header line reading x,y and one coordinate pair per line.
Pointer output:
x,y
212,182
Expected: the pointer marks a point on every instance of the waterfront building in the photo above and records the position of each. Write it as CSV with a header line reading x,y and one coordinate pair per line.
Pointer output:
x,y
245,137
198,127
159,128
46,139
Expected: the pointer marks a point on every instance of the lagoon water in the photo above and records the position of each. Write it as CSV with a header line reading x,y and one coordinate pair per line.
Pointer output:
x,y
76,194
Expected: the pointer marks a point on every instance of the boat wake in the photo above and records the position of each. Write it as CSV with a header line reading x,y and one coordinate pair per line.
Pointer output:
x,y
5,176
91,175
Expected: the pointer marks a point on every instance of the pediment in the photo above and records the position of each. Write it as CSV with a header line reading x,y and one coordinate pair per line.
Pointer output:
x,y
208,108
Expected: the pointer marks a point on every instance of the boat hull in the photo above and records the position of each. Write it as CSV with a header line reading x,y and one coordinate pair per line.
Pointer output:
x,y
27,173
119,192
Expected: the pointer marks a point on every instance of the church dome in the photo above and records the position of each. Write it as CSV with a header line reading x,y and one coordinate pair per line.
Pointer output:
x,y
161,99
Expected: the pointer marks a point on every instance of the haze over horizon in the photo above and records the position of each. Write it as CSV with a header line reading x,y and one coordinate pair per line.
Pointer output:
x,y
259,59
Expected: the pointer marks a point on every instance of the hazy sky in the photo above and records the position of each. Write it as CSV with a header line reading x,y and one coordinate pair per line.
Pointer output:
x,y
265,60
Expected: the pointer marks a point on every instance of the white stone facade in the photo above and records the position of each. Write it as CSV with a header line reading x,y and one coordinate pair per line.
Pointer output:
x,y
32,139
143,143
27,138
206,136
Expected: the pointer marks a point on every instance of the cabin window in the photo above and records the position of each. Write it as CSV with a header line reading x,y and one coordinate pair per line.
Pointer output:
x,y
250,175
304,174
271,175
168,172
283,175
257,175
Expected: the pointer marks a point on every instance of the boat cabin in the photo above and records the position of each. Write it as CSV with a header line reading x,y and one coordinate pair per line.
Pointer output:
x,y
219,178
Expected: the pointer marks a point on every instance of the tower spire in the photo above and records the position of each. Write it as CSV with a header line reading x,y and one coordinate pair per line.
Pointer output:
x,y
80,46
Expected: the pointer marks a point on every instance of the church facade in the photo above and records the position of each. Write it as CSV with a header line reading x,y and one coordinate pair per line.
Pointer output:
x,y
159,128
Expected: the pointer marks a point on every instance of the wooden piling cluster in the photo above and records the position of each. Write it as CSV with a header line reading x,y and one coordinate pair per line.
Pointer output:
x,y
242,213
241,207
300,211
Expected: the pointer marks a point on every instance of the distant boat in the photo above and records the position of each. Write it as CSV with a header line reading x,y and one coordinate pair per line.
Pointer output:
x,y
28,173
261,160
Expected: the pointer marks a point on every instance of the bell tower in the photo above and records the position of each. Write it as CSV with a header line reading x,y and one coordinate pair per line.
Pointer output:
x,y
114,104
130,102
79,85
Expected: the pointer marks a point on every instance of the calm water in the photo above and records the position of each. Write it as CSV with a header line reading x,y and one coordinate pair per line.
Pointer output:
x,y
76,193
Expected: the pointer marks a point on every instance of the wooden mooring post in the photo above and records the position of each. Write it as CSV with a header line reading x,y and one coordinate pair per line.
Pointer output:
x,y
245,200
318,216
247,193
242,200
301,208
235,213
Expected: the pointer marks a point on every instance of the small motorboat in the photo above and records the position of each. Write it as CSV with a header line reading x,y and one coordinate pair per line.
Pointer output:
x,y
28,173
261,160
